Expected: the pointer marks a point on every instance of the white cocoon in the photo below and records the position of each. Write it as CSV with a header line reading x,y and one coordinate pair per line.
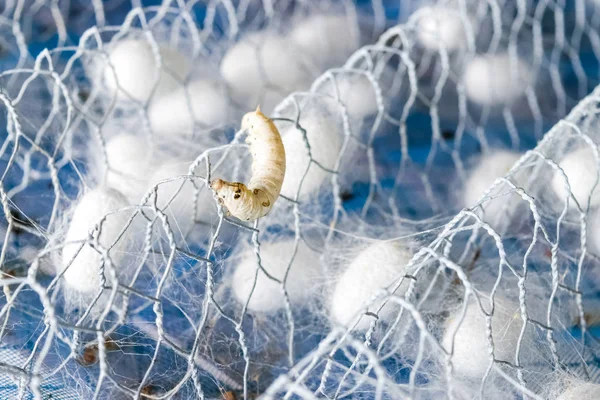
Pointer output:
x,y
176,197
135,71
203,102
264,67
356,93
83,273
268,296
327,40
489,81
471,356
582,391
491,167
376,267
128,161
325,139
442,26
581,170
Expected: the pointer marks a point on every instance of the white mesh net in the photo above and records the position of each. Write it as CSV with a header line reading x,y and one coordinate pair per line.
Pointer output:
x,y
416,250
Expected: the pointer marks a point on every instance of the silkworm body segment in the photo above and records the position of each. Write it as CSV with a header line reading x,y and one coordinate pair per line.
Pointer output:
x,y
255,200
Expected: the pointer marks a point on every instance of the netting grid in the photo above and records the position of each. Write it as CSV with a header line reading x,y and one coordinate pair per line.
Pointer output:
x,y
412,211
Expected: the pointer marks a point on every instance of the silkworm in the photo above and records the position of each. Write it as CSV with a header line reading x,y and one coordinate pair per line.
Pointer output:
x,y
255,200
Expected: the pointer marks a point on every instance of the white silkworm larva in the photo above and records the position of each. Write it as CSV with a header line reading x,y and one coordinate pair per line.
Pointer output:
x,y
255,200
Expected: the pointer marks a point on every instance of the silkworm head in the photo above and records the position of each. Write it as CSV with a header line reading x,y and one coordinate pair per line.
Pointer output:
x,y
226,191
217,184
